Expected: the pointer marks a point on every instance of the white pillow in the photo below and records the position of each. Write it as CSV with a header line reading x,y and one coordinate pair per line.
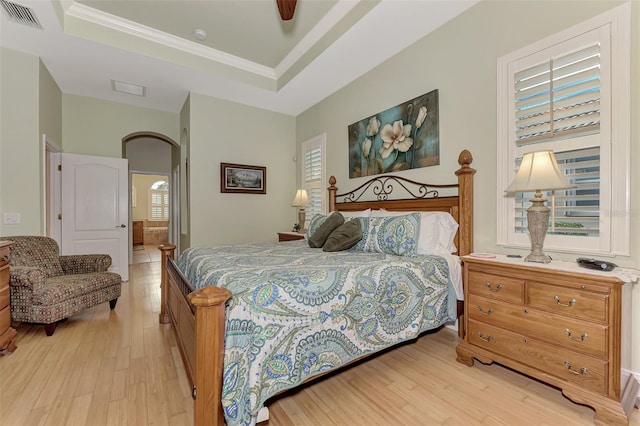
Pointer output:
x,y
351,215
437,230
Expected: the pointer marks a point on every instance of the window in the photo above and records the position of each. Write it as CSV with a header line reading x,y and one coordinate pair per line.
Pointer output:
x,y
159,201
313,174
570,94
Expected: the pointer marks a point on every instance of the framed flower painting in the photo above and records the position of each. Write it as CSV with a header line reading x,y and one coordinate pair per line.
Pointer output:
x,y
399,138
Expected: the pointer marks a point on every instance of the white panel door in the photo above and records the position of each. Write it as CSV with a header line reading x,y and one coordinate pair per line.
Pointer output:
x,y
95,208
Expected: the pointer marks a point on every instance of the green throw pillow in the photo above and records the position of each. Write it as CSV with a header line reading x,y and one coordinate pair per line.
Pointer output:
x,y
319,237
344,237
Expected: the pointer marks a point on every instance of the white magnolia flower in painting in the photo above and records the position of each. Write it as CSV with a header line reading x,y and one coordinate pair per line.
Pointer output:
x,y
394,137
422,114
366,147
373,126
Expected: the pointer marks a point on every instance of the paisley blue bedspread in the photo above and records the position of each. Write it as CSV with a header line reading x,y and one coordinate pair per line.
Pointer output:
x,y
297,311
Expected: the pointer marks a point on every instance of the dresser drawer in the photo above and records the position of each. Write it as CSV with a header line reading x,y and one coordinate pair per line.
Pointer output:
x,y
4,282
567,301
573,334
5,319
4,256
496,286
4,295
586,371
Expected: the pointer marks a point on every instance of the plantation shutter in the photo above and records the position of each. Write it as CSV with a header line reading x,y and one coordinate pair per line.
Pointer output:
x,y
557,101
158,204
313,177
559,98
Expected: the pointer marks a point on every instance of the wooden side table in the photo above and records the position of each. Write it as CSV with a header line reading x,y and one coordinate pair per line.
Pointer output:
x,y
290,236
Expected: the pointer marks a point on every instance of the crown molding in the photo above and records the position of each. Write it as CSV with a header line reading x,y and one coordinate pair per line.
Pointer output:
x,y
134,29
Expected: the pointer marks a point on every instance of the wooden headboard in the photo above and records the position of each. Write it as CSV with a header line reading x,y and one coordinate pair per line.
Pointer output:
x,y
417,197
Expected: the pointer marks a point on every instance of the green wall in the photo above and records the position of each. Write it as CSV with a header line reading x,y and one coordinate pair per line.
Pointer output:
x,y
96,127
227,132
460,59
30,107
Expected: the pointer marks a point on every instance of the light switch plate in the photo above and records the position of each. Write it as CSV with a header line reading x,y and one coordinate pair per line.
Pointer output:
x,y
11,218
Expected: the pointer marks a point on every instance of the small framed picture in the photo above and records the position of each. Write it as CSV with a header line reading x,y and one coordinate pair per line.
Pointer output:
x,y
243,179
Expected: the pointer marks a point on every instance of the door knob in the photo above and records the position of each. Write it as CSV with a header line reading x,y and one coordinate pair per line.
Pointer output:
x,y
122,226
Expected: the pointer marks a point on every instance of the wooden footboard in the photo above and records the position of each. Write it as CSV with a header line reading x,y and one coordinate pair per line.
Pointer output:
x,y
197,319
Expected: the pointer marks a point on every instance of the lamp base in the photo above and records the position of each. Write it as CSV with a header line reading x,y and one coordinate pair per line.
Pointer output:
x,y
538,222
537,258
302,218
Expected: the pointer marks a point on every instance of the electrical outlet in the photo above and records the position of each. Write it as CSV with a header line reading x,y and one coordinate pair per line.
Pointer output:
x,y
11,218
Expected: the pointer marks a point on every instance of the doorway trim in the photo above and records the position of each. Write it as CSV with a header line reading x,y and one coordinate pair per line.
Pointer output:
x,y
52,189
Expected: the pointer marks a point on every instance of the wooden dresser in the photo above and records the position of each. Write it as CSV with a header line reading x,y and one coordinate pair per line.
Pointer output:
x,y
7,333
138,232
553,322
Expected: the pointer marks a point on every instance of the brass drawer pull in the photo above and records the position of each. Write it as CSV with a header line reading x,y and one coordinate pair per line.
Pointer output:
x,y
4,258
498,287
486,339
568,305
582,372
489,311
582,338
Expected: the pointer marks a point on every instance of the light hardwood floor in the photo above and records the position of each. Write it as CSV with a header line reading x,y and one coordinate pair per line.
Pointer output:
x,y
122,367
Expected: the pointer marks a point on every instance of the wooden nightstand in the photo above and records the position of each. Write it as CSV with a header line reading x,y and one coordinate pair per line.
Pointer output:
x,y
290,236
558,323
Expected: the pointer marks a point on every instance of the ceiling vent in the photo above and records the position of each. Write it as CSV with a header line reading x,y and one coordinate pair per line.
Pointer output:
x,y
20,14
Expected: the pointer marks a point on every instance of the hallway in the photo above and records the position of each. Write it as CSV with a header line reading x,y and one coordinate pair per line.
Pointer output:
x,y
146,254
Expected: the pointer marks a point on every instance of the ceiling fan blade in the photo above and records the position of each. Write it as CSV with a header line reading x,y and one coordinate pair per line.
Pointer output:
x,y
287,8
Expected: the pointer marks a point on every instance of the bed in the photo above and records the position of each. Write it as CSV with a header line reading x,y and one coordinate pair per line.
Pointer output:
x,y
269,300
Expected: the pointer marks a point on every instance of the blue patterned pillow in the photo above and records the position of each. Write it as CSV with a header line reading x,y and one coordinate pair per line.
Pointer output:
x,y
315,222
391,235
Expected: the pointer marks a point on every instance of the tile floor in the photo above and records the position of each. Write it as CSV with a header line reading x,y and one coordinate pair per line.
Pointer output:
x,y
146,253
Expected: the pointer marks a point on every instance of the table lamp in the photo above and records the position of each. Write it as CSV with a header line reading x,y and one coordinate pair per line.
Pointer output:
x,y
538,172
300,200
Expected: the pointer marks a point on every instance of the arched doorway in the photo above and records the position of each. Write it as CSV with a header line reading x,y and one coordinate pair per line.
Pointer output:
x,y
152,159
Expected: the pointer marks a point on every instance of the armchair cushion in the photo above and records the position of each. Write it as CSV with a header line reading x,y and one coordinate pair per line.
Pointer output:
x,y
65,287
85,263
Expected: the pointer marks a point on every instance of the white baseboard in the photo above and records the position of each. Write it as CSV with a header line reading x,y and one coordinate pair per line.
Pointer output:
x,y
453,325
626,373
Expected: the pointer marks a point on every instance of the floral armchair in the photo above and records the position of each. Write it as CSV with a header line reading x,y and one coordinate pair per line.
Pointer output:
x,y
47,288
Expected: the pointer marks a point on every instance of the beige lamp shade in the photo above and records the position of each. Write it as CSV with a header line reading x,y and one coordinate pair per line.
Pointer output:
x,y
301,198
539,171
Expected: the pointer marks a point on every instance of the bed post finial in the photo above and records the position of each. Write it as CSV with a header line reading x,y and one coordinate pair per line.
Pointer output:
x,y
465,158
333,190
465,202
